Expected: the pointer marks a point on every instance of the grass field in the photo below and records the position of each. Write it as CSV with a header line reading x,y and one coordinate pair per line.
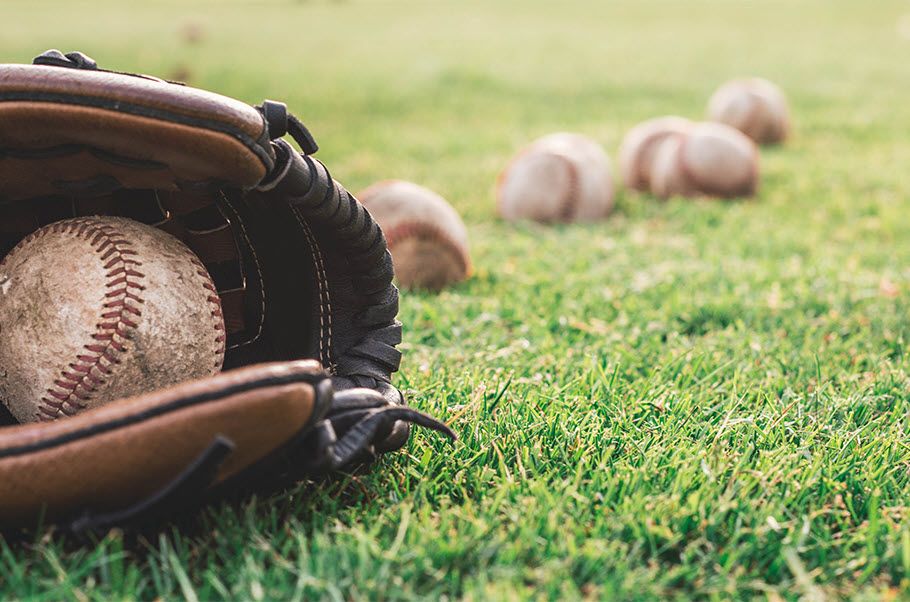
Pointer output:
x,y
691,399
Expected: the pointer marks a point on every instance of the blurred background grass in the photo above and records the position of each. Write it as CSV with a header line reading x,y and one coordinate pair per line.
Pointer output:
x,y
691,398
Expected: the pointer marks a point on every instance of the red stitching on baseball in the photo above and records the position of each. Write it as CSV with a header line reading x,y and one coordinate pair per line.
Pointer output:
x,y
215,310
124,294
67,395
432,232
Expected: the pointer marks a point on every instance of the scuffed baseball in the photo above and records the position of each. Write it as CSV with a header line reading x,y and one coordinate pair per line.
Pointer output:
x,y
712,159
94,309
426,236
754,106
561,177
639,148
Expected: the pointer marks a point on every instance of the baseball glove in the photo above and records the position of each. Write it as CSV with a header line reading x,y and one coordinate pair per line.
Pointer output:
x,y
302,272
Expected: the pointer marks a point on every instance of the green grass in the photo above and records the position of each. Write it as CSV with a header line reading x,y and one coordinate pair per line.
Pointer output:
x,y
690,399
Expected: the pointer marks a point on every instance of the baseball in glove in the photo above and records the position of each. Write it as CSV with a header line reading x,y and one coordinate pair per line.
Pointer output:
x,y
302,273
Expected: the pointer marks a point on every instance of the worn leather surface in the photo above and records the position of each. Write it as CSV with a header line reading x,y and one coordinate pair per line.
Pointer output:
x,y
83,132
62,149
129,94
115,455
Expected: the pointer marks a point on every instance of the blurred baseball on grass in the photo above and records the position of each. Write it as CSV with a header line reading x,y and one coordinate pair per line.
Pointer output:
x,y
562,177
754,106
711,160
639,147
426,236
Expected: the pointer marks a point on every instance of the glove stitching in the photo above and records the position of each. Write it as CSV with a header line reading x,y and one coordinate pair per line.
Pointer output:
x,y
325,301
249,245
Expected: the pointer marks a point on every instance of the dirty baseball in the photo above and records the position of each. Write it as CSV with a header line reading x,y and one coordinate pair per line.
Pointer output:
x,y
94,309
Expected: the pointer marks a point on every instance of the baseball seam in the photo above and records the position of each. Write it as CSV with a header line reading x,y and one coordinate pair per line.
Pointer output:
x,y
571,200
631,165
215,310
427,231
119,318
642,183
80,379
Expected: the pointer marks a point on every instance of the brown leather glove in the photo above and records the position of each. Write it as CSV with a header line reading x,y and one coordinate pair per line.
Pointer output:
x,y
301,269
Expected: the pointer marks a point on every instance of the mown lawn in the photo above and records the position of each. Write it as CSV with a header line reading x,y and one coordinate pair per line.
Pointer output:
x,y
691,399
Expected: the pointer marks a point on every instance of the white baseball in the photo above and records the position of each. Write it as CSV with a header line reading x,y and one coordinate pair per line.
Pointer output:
x,y
639,147
560,177
94,309
754,106
426,236
712,159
